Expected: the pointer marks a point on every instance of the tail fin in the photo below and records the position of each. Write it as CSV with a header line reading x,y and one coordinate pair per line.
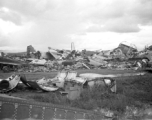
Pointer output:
x,y
30,49
72,46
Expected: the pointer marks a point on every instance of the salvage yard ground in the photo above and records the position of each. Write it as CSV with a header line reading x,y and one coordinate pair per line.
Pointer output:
x,y
131,91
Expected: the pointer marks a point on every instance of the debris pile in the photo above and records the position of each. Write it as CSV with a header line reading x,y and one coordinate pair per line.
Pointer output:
x,y
67,82
123,57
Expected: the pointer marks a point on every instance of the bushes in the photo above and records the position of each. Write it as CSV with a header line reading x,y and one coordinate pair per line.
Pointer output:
x,y
54,98
99,97
131,91
90,99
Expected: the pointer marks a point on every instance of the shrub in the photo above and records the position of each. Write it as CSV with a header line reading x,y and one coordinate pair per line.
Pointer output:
x,y
131,91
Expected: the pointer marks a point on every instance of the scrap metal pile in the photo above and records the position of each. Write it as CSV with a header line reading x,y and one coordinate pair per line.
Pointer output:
x,y
123,57
66,82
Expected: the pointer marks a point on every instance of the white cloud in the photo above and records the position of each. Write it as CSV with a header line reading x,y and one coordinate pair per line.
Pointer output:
x,y
90,24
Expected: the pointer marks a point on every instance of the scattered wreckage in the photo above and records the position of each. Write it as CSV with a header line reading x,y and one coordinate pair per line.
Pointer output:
x,y
7,65
67,82
9,83
125,56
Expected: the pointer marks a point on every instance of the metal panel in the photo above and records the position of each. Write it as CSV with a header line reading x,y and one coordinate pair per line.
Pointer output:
x,y
19,109
60,113
36,112
48,113
79,115
89,117
70,115
7,111
22,112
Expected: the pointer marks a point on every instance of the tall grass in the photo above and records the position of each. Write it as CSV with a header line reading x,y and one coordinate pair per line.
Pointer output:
x,y
131,91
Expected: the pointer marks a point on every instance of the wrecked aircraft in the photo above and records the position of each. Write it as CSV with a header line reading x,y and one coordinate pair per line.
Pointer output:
x,y
7,64
9,84
28,53
96,62
38,62
68,82
124,51
125,56
21,109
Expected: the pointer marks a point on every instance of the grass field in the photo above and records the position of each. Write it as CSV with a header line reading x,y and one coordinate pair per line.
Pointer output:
x,y
131,91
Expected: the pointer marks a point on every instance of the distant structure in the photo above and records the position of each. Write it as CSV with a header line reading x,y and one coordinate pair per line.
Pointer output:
x,y
72,46
30,50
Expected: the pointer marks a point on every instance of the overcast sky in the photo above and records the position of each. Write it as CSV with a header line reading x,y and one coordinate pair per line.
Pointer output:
x,y
90,24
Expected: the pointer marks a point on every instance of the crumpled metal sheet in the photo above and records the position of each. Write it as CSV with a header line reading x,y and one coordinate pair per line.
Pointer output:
x,y
20,109
12,83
